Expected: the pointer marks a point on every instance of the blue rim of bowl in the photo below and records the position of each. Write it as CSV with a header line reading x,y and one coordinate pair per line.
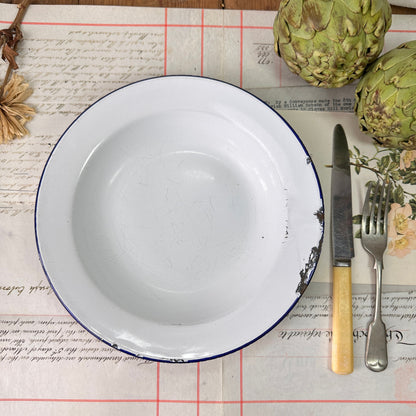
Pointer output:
x,y
178,360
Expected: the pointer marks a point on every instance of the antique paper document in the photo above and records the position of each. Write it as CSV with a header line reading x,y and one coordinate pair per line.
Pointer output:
x,y
72,56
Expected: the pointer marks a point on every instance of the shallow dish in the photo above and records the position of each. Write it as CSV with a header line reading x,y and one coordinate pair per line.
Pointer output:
x,y
179,218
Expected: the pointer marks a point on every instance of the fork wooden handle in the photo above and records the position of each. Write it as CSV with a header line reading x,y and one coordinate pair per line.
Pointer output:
x,y
342,342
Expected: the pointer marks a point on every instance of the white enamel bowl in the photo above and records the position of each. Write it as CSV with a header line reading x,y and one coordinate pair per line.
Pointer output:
x,y
179,218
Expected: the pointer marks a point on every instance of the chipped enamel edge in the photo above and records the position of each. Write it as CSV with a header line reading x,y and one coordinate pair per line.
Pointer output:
x,y
307,271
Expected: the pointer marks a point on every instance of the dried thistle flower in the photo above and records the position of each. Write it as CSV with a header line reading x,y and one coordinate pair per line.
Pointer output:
x,y
13,112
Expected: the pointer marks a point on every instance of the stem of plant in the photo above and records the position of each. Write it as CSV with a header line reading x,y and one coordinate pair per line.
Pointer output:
x,y
366,167
22,7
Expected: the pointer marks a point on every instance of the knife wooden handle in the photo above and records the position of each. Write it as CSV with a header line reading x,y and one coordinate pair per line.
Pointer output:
x,y
342,342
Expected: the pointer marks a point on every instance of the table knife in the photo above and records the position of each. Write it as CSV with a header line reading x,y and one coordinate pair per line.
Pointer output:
x,y
342,253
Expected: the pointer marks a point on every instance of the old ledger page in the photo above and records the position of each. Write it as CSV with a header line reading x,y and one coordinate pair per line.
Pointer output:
x,y
73,55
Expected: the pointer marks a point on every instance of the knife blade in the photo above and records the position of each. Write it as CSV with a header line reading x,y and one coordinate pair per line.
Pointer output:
x,y
342,253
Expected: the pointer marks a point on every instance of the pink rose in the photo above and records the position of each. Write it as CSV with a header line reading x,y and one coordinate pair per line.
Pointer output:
x,y
398,219
406,158
401,230
402,245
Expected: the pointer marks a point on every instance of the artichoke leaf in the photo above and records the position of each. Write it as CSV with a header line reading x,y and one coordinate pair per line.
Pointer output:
x,y
406,130
308,77
378,23
336,29
413,123
316,13
281,32
299,44
305,32
353,26
406,77
379,28
365,6
406,100
315,61
354,45
395,57
381,5
288,53
375,25
291,11
370,83
373,46
353,5
408,45
388,92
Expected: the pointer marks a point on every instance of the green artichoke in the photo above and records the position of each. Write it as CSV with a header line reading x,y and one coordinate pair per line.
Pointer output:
x,y
330,42
385,98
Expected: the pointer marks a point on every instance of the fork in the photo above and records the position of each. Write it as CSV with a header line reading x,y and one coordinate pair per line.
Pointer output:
x,y
374,240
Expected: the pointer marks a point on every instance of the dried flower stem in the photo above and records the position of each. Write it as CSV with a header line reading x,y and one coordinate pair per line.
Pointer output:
x,y
14,90
9,39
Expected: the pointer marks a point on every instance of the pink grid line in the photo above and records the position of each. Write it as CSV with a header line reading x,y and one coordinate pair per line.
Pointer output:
x,y
202,42
241,383
402,31
166,42
157,388
241,48
198,380
37,314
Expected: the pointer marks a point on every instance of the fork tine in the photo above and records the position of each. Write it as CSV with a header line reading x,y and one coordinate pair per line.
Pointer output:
x,y
376,199
380,205
386,208
366,211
